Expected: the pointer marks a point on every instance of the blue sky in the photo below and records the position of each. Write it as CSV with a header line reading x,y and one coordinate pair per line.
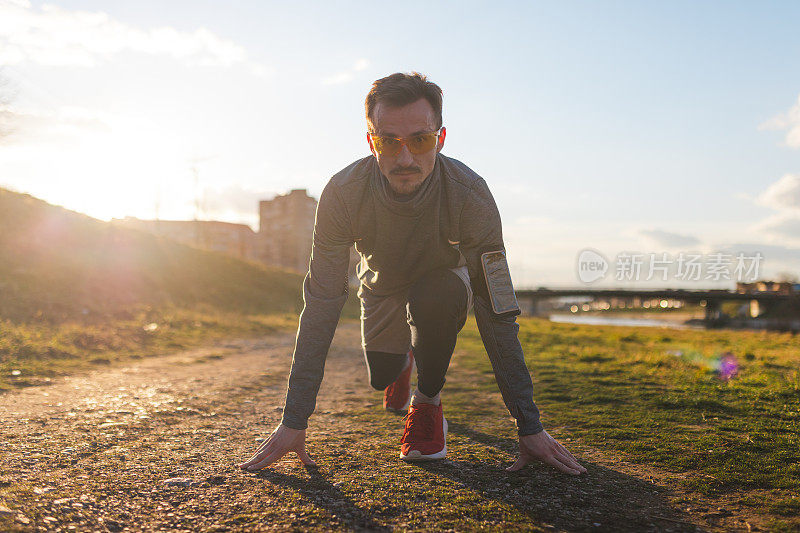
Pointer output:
x,y
617,126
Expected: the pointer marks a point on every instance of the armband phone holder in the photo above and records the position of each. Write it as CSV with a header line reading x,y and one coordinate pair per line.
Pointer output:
x,y
498,282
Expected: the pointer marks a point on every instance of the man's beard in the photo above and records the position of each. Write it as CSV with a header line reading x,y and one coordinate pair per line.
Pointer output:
x,y
405,187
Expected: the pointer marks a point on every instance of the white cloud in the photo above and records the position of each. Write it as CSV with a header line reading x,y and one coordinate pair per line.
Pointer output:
x,y
784,226
783,194
788,121
233,201
667,239
346,75
54,36
778,259
63,125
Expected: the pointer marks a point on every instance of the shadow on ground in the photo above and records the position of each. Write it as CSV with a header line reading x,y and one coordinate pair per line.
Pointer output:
x,y
601,499
320,492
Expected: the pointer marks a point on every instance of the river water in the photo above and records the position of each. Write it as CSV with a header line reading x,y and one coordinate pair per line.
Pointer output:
x,y
594,320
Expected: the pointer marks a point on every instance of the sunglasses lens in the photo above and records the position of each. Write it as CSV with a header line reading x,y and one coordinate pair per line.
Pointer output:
x,y
419,144
386,145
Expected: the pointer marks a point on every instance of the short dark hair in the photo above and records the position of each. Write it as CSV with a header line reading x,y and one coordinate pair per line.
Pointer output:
x,y
400,89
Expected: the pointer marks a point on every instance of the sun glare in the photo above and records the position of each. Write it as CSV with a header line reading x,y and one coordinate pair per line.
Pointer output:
x,y
128,167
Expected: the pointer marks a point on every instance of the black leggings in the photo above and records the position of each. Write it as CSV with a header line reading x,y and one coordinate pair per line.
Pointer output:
x,y
437,310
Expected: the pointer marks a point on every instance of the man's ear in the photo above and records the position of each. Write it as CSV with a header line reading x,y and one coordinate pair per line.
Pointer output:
x,y
441,139
371,148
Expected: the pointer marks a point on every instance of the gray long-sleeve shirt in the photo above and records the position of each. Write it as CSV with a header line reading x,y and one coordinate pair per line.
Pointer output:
x,y
449,221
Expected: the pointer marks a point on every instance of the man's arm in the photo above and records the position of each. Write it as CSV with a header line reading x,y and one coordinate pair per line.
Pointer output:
x,y
324,294
481,231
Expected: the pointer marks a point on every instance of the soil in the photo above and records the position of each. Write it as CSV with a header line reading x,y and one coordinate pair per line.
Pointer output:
x,y
153,445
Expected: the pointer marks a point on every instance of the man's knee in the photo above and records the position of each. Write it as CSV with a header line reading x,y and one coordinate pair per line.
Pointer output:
x,y
384,368
439,297
379,383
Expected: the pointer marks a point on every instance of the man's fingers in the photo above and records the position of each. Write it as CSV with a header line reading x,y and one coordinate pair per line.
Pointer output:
x,y
569,461
267,460
264,450
253,460
521,461
303,455
566,451
554,462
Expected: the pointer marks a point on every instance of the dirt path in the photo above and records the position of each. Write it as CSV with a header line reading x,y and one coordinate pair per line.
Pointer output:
x,y
152,446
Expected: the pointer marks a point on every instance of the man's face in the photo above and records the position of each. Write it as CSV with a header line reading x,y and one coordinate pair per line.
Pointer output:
x,y
405,171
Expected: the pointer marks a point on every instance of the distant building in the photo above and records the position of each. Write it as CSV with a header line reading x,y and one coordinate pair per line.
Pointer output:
x,y
283,240
237,240
780,287
286,230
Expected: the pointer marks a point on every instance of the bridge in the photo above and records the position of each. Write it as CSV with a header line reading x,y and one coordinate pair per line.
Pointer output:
x,y
713,298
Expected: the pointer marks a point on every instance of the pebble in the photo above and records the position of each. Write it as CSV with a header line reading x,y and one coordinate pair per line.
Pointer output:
x,y
5,510
22,519
178,481
111,425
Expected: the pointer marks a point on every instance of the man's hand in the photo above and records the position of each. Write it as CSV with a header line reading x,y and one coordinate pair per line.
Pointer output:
x,y
282,441
542,447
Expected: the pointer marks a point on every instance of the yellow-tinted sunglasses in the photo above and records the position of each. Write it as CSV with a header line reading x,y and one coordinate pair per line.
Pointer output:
x,y
417,144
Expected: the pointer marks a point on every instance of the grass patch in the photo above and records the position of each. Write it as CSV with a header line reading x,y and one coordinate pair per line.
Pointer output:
x,y
31,354
76,292
661,400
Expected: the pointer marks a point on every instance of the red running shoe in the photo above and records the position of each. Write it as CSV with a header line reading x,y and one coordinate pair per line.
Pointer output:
x,y
397,396
425,434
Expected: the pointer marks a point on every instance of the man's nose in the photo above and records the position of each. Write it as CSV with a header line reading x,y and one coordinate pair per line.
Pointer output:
x,y
404,157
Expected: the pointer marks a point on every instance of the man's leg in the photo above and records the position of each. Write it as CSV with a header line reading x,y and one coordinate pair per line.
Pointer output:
x,y
384,368
437,310
386,339
391,373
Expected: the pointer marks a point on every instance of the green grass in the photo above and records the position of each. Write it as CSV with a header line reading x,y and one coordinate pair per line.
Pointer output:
x,y
621,388
77,292
33,354
60,266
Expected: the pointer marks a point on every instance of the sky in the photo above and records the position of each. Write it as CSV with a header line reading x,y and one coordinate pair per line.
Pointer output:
x,y
623,128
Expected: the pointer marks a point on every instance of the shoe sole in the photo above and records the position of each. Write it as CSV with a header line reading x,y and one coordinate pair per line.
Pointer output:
x,y
416,455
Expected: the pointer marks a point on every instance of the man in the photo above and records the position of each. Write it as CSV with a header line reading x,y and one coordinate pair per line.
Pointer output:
x,y
430,240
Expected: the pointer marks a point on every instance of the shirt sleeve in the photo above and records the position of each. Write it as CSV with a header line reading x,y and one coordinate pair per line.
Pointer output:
x,y
481,231
325,291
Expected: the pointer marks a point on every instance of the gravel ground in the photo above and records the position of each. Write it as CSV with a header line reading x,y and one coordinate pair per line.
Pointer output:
x,y
153,446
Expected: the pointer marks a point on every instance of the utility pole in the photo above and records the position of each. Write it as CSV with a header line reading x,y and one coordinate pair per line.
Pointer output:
x,y
198,207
